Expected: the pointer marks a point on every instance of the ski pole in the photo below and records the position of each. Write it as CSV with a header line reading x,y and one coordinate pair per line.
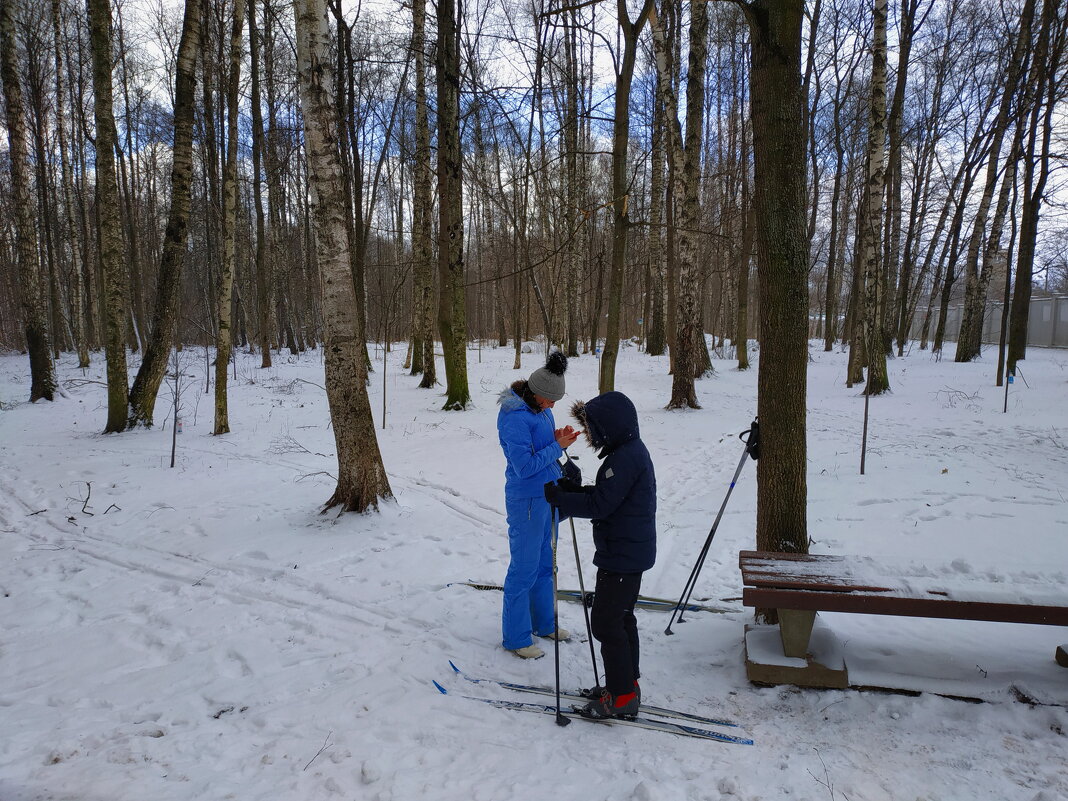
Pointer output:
x,y
582,593
560,719
752,449
585,608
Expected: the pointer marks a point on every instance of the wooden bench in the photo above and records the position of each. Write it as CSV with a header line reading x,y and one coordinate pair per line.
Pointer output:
x,y
799,585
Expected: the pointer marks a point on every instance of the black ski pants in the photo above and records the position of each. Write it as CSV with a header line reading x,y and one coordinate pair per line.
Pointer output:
x,y
616,629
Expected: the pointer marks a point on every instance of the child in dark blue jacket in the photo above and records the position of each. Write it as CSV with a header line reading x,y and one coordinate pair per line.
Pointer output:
x,y
622,506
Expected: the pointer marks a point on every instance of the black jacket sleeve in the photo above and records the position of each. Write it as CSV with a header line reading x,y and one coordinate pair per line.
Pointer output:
x,y
614,482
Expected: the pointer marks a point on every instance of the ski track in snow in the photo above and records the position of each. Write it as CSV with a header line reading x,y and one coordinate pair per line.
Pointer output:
x,y
204,633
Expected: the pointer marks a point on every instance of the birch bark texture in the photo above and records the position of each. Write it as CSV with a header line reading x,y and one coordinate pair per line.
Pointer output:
x,y
107,194
165,310
33,307
225,342
77,286
629,31
264,284
361,479
871,222
976,280
422,204
685,153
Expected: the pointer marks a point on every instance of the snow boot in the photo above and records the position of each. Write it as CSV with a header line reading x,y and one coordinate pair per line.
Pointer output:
x,y
609,706
563,635
597,690
529,652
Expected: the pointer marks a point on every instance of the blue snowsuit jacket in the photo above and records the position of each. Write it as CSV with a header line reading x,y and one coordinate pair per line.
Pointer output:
x,y
622,504
528,439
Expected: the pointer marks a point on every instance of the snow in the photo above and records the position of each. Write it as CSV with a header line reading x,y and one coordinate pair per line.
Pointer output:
x,y
203,632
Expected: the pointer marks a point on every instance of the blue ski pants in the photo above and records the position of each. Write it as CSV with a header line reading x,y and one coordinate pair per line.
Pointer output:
x,y
528,585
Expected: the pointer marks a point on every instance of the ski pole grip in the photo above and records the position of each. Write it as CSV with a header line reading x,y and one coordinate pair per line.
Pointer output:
x,y
751,438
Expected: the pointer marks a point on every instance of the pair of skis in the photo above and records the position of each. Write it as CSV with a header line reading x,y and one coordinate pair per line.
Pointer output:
x,y
643,602
648,719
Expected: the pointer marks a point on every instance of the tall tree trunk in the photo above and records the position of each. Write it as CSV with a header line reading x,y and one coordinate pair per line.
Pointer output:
x,y
893,274
262,268
871,222
686,157
165,310
107,190
969,339
81,338
225,342
620,186
34,313
573,214
778,110
133,267
276,203
452,313
745,256
362,477
422,205
655,340
46,204
210,148
1047,85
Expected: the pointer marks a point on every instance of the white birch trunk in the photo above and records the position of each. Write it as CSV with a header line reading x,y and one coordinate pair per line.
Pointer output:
x,y
361,479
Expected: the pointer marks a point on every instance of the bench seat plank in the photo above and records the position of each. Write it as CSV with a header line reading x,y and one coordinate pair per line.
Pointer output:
x,y
1009,611
834,583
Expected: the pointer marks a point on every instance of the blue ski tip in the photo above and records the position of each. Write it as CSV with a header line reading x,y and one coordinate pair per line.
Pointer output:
x,y
454,668
441,689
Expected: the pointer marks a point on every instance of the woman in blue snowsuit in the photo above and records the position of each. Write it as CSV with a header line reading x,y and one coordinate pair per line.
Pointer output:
x,y
622,506
531,445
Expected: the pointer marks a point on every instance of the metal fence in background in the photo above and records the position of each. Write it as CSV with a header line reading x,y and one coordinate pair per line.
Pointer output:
x,y
1047,323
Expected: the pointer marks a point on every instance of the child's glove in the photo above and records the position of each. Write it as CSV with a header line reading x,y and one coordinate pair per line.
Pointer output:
x,y
552,493
567,485
571,472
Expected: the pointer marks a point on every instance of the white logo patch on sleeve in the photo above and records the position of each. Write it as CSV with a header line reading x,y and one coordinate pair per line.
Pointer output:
x,y
608,473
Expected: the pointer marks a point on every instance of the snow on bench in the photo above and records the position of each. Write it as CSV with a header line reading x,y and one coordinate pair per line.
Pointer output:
x,y
799,585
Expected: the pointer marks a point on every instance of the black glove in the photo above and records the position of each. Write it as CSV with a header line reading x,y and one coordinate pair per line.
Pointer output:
x,y
571,472
552,493
567,485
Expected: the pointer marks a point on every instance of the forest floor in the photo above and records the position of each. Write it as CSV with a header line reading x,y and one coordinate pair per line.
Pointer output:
x,y
203,632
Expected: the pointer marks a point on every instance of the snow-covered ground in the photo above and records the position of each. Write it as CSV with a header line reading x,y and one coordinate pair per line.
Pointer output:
x,y
203,632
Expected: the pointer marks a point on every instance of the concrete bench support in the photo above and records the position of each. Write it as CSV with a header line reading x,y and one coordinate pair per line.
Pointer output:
x,y
795,629
803,652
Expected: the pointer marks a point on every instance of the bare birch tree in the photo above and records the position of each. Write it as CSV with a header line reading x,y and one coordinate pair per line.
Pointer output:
x,y
976,280
34,314
684,151
161,337
107,192
77,301
629,31
32,300
1046,86
422,228
870,226
361,479
264,284
225,341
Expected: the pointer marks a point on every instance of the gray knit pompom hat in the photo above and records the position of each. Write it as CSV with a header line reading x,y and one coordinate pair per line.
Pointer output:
x,y
548,381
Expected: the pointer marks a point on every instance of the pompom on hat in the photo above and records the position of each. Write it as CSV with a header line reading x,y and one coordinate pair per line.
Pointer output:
x,y
548,381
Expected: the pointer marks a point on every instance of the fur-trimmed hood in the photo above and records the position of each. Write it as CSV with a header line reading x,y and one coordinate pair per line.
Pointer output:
x,y
516,396
609,420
